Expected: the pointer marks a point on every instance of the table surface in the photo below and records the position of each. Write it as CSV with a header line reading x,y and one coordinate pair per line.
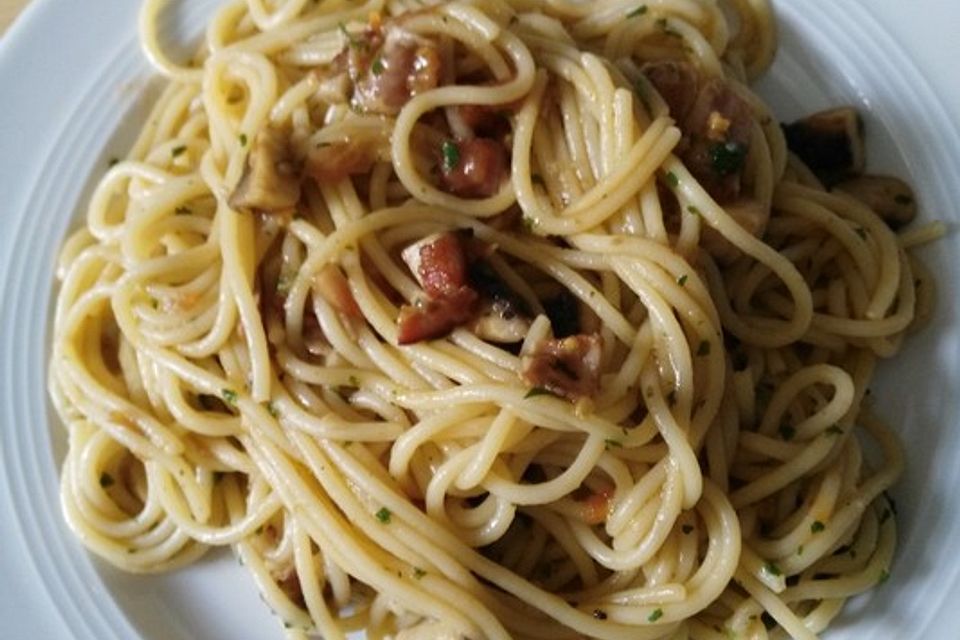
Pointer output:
x,y
9,9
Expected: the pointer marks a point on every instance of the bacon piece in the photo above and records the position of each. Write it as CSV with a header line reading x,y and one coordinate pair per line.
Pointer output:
x,y
442,267
478,170
596,506
332,163
719,128
676,82
435,317
270,182
568,367
331,285
407,64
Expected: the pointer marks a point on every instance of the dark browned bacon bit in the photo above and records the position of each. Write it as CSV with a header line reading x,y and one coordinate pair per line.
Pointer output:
x,y
386,66
567,367
473,168
461,288
439,263
717,126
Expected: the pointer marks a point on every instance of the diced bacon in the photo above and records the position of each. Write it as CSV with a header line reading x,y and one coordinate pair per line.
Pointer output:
x,y
332,163
677,83
480,167
484,121
719,129
596,506
331,285
406,65
568,367
443,265
435,317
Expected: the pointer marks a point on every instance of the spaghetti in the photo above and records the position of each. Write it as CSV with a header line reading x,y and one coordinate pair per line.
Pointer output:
x,y
484,319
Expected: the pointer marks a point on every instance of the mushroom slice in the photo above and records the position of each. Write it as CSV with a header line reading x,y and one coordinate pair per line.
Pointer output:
x,y
830,143
270,182
891,198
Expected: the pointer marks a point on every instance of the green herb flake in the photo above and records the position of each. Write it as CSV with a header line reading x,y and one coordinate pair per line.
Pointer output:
x,y
113,162
451,155
538,391
639,11
787,432
800,550
704,348
243,139
284,282
418,573
354,381
861,232
693,210
271,409
672,180
656,615
178,150
687,529
376,68
772,569
106,480
611,443
384,515
884,576
682,280
727,158
229,396
817,527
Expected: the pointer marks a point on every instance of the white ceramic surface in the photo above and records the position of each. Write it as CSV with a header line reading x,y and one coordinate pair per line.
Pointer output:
x,y
75,86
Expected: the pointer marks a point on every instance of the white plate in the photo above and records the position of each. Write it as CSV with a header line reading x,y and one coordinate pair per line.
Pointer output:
x,y
74,85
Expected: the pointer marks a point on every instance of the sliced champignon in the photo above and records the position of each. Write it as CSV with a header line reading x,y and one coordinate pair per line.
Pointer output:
x,y
473,168
567,367
718,131
749,214
677,82
271,180
331,285
891,198
830,143
407,64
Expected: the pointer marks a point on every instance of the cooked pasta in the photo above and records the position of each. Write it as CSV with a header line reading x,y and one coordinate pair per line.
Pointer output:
x,y
489,319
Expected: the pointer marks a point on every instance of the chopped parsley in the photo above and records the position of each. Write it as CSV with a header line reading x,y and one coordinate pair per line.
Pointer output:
x,y
861,232
693,210
176,151
817,527
451,155
704,348
354,381
418,573
656,615
884,576
376,68
682,280
113,161
229,396
384,515
772,569
639,11
106,480
672,180
243,139
727,157
538,391
800,550
787,432
271,409
611,443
